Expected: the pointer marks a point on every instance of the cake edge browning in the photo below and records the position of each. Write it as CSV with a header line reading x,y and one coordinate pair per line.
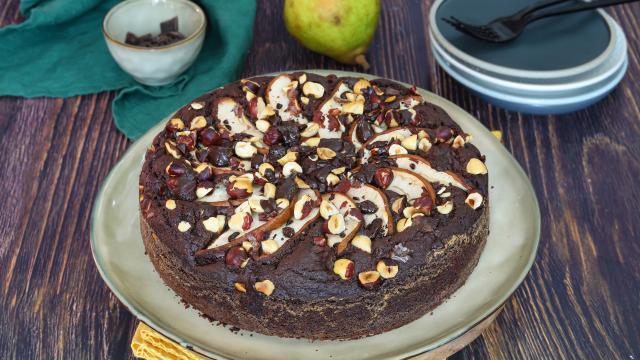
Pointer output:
x,y
428,286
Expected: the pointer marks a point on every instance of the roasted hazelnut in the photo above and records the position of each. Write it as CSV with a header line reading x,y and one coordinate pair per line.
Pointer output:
x,y
362,242
476,167
197,123
184,226
265,286
176,169
240,287
445,208
235,256
327,209
443,133
424,204
240,188
209,136
170,204
174,125
240,221
387,271
269,247
336,224
344,268
369,280
474,199
319,241
271,136
383,177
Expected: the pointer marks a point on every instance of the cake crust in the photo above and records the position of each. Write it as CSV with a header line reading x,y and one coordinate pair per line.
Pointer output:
x,y
295,285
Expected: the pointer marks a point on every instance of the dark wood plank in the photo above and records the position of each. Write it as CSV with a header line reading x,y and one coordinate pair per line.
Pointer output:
x,y
580,300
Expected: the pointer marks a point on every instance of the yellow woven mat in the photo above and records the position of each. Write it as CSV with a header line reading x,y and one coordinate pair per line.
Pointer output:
x,y
151,345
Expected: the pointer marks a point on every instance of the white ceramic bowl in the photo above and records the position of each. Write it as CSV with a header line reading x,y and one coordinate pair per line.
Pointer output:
x,y
159,65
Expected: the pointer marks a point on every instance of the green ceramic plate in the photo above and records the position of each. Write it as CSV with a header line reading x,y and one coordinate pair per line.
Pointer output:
x,y
510,251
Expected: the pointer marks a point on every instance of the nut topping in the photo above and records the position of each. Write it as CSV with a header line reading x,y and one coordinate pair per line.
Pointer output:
x,y
170,204
301,184
403,224
311,130
184,226
362,242
245,150
312,142
269,246
474,200
410,142
385,270
396,149
458,142
265,286
291,168
303,207
445,208
213,224
290,156
369,279
263,125
197,123
203,191
314,89
424,145
336,224
327,209
302,79
196,106
264,167
344,268
332,179
361,85
476,167
325,153
269,190
383,177
240,221
235,257
282,203
240,287
172,150
175,124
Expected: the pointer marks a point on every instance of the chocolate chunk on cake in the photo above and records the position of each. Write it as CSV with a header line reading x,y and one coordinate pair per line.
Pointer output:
x,y
316,207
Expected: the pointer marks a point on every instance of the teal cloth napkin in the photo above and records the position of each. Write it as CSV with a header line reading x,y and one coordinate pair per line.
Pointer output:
x,y
59,51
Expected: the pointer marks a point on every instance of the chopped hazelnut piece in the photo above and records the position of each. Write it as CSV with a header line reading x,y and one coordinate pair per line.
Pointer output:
x,y
445,208
362,242
290,156
269,246
325,153
196,106
369,279
476,167
344,268
474,200
291,168
184,226
245,150
265,286
403,224
314,89
240,287
170,204
269,190
213,224
385,270
198,122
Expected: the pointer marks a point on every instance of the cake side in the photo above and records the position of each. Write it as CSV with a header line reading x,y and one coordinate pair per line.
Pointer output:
x,y
286,205
422,290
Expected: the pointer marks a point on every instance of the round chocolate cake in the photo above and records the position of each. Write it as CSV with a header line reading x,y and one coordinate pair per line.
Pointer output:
x,y
316,207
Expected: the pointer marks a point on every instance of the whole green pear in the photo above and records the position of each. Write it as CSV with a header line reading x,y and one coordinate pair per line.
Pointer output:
x,y
341,29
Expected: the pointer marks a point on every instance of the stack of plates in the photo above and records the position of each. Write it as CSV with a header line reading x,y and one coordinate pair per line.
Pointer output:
x,y
557,65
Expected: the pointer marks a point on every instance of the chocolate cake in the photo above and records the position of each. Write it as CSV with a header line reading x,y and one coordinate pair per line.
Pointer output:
x,y
316,207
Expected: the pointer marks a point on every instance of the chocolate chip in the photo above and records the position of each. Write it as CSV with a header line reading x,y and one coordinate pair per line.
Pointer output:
x,y
170,25
288,232
368,207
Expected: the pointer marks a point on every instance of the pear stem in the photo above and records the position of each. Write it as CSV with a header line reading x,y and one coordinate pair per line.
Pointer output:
x,y
362,61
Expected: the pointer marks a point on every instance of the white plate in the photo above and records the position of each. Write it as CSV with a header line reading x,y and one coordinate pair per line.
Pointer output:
x,y
509,253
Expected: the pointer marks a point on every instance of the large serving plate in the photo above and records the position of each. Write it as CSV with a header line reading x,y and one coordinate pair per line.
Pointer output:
x,y
509,253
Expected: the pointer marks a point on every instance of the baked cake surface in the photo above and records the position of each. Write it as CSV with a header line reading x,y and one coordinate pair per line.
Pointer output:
x,y
317,207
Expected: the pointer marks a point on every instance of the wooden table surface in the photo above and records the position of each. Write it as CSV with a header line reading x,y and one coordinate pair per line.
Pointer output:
x,y
581,299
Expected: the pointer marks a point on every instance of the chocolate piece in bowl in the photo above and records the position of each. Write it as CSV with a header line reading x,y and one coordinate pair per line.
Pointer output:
x,y
297,234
